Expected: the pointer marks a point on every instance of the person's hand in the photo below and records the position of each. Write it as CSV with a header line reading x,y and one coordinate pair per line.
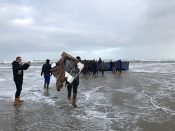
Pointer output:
x,y
75,63
29,63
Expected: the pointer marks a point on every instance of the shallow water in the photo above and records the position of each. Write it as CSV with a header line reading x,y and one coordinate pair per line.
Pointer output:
x,y
141,99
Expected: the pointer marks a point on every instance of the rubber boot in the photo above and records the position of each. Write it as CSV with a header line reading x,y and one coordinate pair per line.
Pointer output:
x,y
44,85
20,100
16,103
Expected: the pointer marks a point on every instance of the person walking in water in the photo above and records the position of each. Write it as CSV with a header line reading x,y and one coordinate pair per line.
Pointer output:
x,y
99,63
111,65
114,68
74,85
119,67
102,68
18,68
46,70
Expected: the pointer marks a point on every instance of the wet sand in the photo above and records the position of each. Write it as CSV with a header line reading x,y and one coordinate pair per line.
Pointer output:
x,y
130,102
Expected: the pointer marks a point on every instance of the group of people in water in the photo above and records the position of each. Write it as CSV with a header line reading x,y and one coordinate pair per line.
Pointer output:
x,y
90,67
94,67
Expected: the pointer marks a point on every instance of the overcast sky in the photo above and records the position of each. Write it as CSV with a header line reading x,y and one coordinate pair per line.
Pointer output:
x,y
111,29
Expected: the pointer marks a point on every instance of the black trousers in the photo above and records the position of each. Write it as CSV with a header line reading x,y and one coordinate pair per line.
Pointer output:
x,y
69,90
18,87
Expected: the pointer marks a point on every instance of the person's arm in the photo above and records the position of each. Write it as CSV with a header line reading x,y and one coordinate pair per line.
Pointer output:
x,y
42,70
21,67
25,66
50,70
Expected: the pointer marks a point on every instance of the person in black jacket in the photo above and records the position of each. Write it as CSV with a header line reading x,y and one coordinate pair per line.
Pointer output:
x,y
18,68
111,65
46,69
74,85
119,67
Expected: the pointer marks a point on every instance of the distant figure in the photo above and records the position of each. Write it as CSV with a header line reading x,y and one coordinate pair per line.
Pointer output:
x,y
94,67
99,61
99,64
114,67
102,68
119,67
73,85
18,68
46,70
89,68
85,69
111,65
97,67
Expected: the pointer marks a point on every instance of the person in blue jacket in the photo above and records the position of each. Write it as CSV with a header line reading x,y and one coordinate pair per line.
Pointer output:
x,y
46,70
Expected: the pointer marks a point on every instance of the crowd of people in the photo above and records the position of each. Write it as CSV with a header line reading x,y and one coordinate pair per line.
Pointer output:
x,y
94,67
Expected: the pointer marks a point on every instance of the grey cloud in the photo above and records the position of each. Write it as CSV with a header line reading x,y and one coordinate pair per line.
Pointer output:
x,y
111,29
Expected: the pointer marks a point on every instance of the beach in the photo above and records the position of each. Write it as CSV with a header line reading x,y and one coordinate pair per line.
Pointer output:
x,y
140,99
